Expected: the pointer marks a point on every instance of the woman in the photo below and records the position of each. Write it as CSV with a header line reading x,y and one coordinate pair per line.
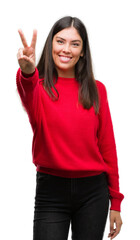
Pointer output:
x,y
73,141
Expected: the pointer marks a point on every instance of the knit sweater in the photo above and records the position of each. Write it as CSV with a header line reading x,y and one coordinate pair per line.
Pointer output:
x,y
68,140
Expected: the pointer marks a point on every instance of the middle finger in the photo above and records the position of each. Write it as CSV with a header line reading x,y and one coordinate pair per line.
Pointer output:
x,y
23,38
34,38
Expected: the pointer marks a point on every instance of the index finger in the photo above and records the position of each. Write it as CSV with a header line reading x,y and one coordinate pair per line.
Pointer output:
x,y
22,38
34,38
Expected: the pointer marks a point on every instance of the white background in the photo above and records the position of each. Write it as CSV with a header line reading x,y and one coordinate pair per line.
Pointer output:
x,y
114,34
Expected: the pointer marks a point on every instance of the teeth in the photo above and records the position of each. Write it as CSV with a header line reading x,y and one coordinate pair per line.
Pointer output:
x,y
65,59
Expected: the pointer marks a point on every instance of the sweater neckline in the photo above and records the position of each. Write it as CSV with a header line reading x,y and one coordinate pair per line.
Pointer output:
x,y
66,79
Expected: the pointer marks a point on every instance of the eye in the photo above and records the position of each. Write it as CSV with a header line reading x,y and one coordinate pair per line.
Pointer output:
x,y
60,41
76,44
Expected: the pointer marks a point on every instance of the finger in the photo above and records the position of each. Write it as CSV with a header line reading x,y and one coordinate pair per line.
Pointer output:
x,y
114,234
111,226
24,58
34,38
21,57
22,38
117,230
112,230
20,53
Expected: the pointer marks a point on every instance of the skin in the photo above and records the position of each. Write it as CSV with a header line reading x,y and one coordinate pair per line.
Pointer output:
x,y
62,45
67,48
26,55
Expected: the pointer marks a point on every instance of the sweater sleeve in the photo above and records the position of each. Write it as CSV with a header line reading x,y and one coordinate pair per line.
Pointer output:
x,y
107,147
28,89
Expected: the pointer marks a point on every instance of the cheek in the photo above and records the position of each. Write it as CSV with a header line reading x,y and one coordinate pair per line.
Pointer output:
x,y
77,54
56,49
55,52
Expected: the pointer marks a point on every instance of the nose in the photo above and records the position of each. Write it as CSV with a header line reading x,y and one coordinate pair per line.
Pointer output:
x,y
66,48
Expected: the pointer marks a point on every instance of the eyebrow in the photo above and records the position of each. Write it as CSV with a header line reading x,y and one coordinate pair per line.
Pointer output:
x,y
72,40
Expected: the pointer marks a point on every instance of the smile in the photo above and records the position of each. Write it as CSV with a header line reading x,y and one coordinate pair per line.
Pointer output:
x,y
64,59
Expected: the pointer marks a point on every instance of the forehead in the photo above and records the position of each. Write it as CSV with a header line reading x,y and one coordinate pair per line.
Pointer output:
x,y
69,34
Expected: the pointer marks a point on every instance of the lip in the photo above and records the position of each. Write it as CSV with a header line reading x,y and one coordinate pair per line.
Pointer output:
x,y
65,56
64,59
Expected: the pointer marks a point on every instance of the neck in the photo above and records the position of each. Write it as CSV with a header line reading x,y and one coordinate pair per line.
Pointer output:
x,y
66,74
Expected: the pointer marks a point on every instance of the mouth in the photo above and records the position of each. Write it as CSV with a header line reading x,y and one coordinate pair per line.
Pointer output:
x,y
64,59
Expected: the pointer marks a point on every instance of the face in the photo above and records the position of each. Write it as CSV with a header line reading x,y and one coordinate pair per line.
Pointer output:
x,y
67,48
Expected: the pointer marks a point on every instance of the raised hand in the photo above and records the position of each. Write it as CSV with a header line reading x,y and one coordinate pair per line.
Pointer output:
x,y
26,56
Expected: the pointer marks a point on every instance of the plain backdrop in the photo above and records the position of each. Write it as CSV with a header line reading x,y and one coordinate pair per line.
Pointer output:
x,y
114,35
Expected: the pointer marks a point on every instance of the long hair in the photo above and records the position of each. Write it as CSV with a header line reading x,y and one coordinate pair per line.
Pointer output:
x,y
88,93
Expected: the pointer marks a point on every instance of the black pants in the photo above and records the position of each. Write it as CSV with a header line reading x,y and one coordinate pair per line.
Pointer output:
x,y
83,202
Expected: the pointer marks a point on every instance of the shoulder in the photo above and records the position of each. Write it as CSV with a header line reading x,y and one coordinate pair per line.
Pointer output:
x,y
101,88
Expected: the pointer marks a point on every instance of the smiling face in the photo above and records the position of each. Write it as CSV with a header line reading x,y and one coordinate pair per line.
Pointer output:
x,y
67,48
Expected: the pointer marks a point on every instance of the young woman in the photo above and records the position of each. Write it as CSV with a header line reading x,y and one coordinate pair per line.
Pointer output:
x,y
73,140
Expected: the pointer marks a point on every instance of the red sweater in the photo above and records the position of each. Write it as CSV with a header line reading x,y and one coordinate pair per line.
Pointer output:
x,y
68,140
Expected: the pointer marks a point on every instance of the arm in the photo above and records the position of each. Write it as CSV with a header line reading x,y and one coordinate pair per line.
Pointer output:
x,y
107,147
28,89
27,77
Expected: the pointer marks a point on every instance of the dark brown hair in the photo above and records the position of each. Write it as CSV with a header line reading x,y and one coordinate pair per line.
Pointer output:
x,y
88,93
